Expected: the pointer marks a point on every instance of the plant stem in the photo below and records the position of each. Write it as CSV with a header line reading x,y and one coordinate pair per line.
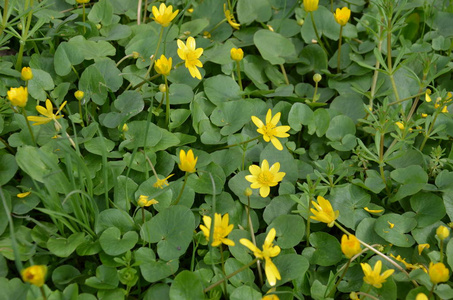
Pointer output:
x,y
5,15
316,32
339,50
230,275
29,127
182,189
23,40
43,293
316,91
282,67
143,215
139,11
167,102
332,292
83,18
153,58
223,270
237,144
238,71
431,126
252,234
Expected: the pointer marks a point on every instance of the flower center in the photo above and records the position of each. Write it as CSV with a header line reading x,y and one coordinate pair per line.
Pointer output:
x,y
269,129
266,177
191,57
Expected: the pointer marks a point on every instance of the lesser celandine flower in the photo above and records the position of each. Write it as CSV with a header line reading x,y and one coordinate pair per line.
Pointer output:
x,y
187,162
442,232
422,247
163,65
438,273
264,177
269,250
427,96
79,95
230,18
400,125
35,275
311,5
143,201
18,96
421,296
271,131
323,211
47,112
26,74
161,182
82,1
350,245
164,15
221,229
342,15
237,54
190,55
374,276
270,296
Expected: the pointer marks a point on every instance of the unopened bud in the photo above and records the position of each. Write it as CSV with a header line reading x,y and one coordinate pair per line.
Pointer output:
x,y
317,77
125,127
98,26
300,22
442,232
79,95
248,192
135,54
162,88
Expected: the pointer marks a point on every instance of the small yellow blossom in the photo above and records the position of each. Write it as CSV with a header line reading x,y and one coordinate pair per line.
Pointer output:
x,y
79,95
248,192
270,296
163,65
400,125
26,74
323,211
206,34
424,115
311,5
427,97
373,276
47,112
391,225
264,178
161,182
125,128
421,296
82,1
144,201
237,54
230,18
18,96
317,77
23,195
342,15
35,275
269,250
438,273
187,162
221,229
162,88
422,247
164,15
271,131
408,266
190,10
353,296
350,245
373,211
190,54
442,232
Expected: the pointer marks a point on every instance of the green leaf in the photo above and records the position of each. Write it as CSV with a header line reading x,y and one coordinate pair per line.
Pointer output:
x,y
8,167
135,136
106,278
172,230
194,27
253,10
186,285
39,84
62,247
350,201
291,267
300,114
232,115
63,275
153,271
97,147
314,59
339,127
113,244
274,47
245,292
114,218
101,12
429,208
221,88
290,230
245,277
65,57
412,180
327,249
281,205
393,229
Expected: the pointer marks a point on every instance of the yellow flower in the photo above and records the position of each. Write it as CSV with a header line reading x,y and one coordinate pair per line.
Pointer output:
x,y
438,273
82,1
424,115
79,95
421,296
47,112
373,276
442,232
163,65
270,296
391,225
190,55
221,229
161,182
143,201
263,178
237,54
373,211
324,211
18,96
310,5
271,131
427,97
230,18
422,247
35,275
187,162
26,74
125,128
269,250
342,15
350,245
164,15
400,125
23,195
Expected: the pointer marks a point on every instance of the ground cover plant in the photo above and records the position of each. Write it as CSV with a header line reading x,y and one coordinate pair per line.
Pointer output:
x,y
226,149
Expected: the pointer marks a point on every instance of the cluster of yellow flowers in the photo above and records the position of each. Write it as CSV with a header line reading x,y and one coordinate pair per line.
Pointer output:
x,y
341,15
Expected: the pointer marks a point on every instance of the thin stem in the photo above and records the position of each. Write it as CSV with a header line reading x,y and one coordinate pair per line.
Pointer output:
x,y
316,32
441,250
83,18
123,59
339,50
332,292
223,270
405,99
238,71
139,11
230,275
153,58
5,15
145,16
43,293
316,91
143,215
237,144
167,102
282,67
182,189
376,72
308,222
23,40
431,126
29,127
367,295
431,291
252,234
81,113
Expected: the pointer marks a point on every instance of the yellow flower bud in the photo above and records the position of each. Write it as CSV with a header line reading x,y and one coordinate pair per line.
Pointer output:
x,y
82,1
300,22
237,54
26,74
248,192
442,232
35,275
350,245
342,15
311,5
125,127
162,88
438,273
163,65
18,96
79,95
317,77
421,296
400,125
